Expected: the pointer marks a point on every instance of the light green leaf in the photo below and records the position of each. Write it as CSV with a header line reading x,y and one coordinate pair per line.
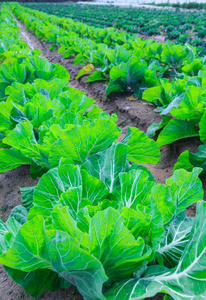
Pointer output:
x,y
52,185
96,76
8,232
176,130
107,165
193,68
137,221
135,188
22,138
36,248
186,281
11,159
118,72
69,186
113,244
63,221
188,160
142,149
192,106
79,142
157,94
75,101
17,115
161,196
186,188
92,188
202,131
183,162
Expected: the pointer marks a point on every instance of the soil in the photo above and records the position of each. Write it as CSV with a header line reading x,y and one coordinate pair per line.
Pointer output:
x,y
158,38
130,113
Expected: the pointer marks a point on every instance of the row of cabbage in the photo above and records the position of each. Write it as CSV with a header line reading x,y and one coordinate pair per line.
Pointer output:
x,y
126,61
132,64
95,220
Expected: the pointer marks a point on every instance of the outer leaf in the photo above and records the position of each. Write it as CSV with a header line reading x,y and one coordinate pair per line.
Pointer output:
x,y
202,126
96,76
141,149
118,72
11,159
8,232
175,130
115,86
19,213
175,101
161,196
188,160
27,196
193,68
35,282
22,138
153,128
107,165
135,188
113,244
176,237
186,281
84,70
158,94
52,185
79,142
34,248
192,107
186,188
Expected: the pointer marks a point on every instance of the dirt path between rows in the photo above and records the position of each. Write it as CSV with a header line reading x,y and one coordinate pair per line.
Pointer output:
x,y
130,113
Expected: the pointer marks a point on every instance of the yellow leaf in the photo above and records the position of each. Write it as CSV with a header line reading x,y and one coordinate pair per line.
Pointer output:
x,y
132,98
88,67
84,70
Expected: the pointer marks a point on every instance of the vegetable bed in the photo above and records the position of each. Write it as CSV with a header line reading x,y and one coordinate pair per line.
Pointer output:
x,y
180,26
96,219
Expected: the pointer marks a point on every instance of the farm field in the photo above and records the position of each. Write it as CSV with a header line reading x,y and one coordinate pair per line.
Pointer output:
x,y
103,150
179,26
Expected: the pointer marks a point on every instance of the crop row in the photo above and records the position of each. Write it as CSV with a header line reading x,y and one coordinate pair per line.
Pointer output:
x,y
138,66
130,62
94,220
183,27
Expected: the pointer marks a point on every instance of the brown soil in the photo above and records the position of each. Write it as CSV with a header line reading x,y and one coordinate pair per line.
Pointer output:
x,y
158,38
130,113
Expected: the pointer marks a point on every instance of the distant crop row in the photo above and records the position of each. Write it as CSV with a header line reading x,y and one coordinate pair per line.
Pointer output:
x,y
189,5
184,27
